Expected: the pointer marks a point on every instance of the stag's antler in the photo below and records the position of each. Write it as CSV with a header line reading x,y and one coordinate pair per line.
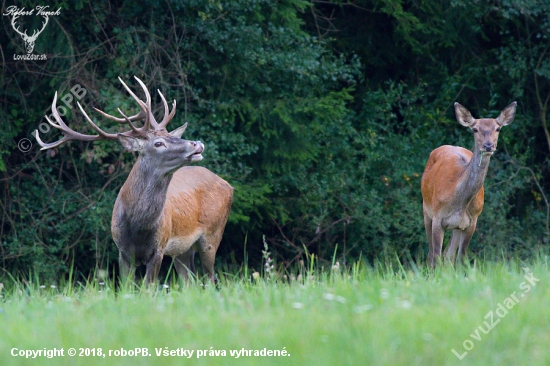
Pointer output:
x,y
144,113
146,110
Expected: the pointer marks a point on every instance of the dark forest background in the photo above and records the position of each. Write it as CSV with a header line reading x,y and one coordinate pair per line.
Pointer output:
x,y
321,114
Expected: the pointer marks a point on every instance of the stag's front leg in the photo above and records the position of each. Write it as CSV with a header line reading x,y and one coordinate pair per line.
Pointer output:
x,y
436,243
153,268
127,268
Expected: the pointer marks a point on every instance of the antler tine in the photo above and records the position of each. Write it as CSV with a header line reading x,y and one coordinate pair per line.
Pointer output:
x,y
46,146
132,93
132,126
55,113
68,134
143,113
167,117
114,136
166,111
152,120
145,107
105,135
137,117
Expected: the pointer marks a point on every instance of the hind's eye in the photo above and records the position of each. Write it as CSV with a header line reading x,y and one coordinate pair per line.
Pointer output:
x,y
158,144
498,129
474,129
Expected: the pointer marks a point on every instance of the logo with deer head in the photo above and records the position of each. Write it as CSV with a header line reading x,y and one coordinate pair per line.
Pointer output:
x,y
16,14
29,40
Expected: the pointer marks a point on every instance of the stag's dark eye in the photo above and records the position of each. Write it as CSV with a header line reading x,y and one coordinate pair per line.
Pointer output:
x,y
474,129
158,144
498,129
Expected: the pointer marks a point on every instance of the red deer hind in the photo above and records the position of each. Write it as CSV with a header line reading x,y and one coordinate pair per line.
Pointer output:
x,y
164,207
452,184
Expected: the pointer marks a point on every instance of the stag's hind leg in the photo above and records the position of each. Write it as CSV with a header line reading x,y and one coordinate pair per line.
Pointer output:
x,y
210,240
185,265
208,246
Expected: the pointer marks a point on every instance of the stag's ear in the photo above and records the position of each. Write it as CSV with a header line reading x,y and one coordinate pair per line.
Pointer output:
x,y
179,131
131,143
463,116
507,115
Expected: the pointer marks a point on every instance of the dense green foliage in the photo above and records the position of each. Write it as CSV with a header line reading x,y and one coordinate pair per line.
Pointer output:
x,y
320,114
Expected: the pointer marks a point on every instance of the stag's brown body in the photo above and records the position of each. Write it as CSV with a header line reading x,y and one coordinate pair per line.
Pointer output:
x,y
192,219
164,207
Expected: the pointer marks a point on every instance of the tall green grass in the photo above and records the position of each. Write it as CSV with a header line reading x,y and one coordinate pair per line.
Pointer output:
x,y
360,316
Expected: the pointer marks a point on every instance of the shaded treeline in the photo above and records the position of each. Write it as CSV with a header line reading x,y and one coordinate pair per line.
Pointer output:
x,y
320,114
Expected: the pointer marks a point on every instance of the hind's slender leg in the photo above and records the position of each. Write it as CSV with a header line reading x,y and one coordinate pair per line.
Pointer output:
x,y
456,239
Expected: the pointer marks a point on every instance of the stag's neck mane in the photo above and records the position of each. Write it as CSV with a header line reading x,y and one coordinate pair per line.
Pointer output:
x,y
144,195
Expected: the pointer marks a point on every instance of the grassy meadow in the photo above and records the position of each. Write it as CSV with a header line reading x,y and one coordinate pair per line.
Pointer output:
x,y
362,316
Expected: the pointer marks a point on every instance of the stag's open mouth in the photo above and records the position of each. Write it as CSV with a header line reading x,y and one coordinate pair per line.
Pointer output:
x,y
196,156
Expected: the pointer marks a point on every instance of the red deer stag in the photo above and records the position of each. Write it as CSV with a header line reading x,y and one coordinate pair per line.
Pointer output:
x,y
164,207
452,184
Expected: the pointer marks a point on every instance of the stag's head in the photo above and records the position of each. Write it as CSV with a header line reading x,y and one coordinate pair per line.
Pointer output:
x,y
486,130
164,150
29,40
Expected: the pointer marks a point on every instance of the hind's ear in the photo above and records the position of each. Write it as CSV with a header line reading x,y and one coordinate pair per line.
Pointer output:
x,y
463,116
507,115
